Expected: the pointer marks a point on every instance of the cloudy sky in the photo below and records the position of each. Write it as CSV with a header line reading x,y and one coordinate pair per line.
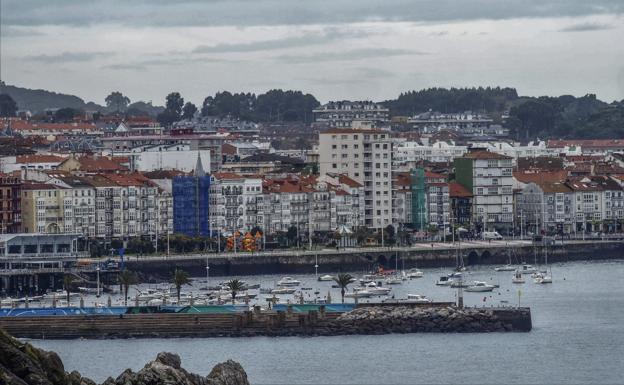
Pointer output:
x,y
334,49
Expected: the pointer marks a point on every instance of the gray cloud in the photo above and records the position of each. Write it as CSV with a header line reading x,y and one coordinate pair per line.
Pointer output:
x,y
125,67
583,27
327,36
10,31
282,12
66,57
348,55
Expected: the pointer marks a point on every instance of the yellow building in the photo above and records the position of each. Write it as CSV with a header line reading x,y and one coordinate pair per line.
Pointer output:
x,y
46,209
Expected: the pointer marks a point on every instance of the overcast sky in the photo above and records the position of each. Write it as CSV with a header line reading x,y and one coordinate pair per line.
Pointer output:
x,y
334,49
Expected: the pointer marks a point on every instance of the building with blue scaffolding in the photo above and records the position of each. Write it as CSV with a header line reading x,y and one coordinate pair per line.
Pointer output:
x,y
190,202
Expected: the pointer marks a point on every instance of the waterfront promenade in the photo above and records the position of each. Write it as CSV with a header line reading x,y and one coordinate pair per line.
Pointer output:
x,y
356,259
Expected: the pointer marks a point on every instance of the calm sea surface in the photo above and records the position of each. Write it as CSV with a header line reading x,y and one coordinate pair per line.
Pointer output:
x,y
578,337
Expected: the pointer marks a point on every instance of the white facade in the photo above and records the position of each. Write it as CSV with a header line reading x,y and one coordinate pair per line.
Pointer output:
x,y
168,157
366,157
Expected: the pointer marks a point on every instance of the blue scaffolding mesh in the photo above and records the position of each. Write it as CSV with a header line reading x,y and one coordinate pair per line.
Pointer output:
x,y
190,205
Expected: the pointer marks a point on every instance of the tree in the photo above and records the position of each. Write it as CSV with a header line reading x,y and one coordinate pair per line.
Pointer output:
x,y
127,279
291,235
117,101
66,114
234,286
389,235
173,109
188,111
68,285
343,280
8,107
180,278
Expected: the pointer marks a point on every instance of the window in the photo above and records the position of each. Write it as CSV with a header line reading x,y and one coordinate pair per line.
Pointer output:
x,y
334,165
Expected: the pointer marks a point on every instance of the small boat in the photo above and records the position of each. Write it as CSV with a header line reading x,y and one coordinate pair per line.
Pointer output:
x,y
326,277
361,293
414,273
288,281
528,269
417,298
393,281
479,286
368,278
283,290
376,290
542,278
517,278
505,268
448,279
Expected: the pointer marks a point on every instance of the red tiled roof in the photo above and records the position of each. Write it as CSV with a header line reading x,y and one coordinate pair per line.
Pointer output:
x,y
227,175
542,176
100,164
458,191
39,158
353,131
41,186
21,125
586,143
346,180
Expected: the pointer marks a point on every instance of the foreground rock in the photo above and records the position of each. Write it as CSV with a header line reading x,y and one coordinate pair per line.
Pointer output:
x,y
23,364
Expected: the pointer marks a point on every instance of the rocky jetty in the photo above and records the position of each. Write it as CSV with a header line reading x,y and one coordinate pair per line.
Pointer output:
x,y
23,364
404,319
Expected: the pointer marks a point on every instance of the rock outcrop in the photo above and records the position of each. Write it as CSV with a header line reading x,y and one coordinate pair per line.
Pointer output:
x,y
23,364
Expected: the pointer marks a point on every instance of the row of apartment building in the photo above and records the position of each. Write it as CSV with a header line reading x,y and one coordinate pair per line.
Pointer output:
x,y
102,206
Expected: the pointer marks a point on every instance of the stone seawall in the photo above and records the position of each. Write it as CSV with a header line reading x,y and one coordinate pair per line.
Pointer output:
x,y
364,320
364,259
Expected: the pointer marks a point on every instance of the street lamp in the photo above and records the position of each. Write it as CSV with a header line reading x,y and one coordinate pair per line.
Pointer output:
x,y
207,273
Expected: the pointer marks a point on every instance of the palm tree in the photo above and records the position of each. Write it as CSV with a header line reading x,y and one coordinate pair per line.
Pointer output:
x,y
343,280
68,284
127,279
180,278
235,286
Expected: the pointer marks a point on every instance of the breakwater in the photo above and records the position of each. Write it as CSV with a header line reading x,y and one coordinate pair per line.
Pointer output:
x,y
364,259
366,319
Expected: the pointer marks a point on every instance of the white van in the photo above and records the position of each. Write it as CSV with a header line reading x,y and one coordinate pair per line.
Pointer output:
x,y
492,235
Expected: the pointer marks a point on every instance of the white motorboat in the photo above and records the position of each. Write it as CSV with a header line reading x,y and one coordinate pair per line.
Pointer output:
x,y
417,298
376,290
479,286
459,283
517,278
368,278
414,273
283,290
326,277
288,281
358,293
505,268
542,278
528,269
393,280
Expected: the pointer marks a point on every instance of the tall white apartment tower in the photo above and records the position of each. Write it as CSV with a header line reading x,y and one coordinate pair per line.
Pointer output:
x,y
365,156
